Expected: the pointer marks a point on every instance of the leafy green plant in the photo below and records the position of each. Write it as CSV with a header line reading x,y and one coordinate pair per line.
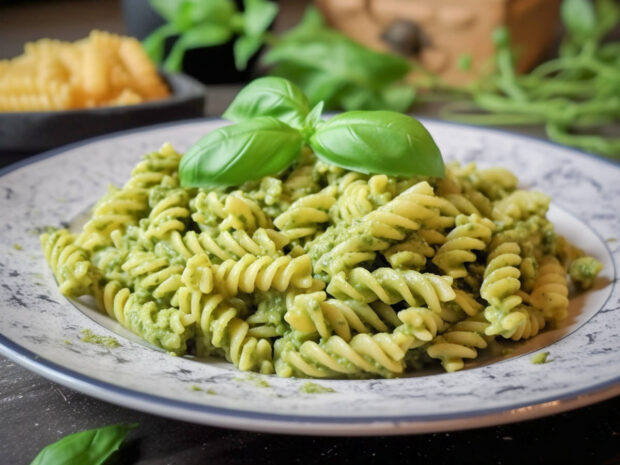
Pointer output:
x,y
200,23
574,93
91,447
274,121
332,68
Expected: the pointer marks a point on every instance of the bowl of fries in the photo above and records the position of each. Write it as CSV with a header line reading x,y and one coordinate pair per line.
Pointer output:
x,y
58,92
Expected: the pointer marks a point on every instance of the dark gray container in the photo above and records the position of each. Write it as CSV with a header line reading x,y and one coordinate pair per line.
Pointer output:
x,y
26,133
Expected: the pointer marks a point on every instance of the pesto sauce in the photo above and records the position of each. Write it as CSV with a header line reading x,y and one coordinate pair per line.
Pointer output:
x,y
91,338
540,358
17,247
313,388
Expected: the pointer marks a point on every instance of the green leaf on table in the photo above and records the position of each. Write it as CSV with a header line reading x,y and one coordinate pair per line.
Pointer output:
x,y
579,19
244,48
258,16
154,44
378,142
246,151
91,447
269,96
199,36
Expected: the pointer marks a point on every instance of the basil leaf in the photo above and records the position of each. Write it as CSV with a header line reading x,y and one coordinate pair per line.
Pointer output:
x,y
91,447
317,85
245,47
336,54
378,142
198,36
398,97
579,18
269,96
258,15
313,120
154,44
246,151
167,9
195,12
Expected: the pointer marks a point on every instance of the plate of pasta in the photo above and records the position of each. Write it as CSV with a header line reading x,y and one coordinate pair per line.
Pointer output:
x,y
317,300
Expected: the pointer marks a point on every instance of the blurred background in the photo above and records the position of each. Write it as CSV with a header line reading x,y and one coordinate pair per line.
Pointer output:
x,y
549,68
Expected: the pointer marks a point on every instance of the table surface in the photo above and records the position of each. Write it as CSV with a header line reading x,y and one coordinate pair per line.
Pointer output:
x,y
35,412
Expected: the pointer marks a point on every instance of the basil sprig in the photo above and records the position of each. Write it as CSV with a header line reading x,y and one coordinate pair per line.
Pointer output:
x,y
91,447
274,121
331,67
200,23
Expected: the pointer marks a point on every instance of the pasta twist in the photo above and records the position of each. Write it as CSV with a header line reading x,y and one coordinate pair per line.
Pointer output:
x,y
470,233
360,197
219,327
252,273
169,214
499,288
392,286
228,211
534,323
377,230
70,263
460,341
153,273
520,205
303,217
155,166
380,354
411,253
229,245
550,292
313,312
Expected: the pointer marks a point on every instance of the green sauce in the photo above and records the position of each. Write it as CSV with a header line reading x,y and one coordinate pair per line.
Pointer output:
x,y
540,358
91,338
313,388
17,247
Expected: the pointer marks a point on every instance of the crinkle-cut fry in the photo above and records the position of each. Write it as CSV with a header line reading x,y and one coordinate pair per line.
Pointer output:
x,y
145,76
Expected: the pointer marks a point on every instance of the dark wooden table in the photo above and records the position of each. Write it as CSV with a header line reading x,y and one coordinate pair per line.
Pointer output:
x,y
35,411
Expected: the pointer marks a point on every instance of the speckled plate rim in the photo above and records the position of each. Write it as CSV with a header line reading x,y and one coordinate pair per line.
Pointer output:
x,y
282,423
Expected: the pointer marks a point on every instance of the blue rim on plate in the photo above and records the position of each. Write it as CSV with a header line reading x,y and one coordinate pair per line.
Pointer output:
x,y
312,424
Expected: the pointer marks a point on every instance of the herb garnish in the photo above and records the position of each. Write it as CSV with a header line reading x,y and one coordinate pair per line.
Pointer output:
x,y
91,447
261,143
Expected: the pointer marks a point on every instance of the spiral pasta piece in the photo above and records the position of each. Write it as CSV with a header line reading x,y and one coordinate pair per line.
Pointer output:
x,y
379,354
313,312
534,323
550,292
520,205
360,197
229,245
219,327
262,273
500,289
392,286
470,233
70,263
304,217
460,341
169,214
228,211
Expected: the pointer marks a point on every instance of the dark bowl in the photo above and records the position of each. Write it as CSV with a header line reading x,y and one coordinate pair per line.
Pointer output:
x,y
26,133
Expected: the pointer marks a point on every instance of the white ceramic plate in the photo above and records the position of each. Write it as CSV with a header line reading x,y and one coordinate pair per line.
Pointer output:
x,y
40,329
